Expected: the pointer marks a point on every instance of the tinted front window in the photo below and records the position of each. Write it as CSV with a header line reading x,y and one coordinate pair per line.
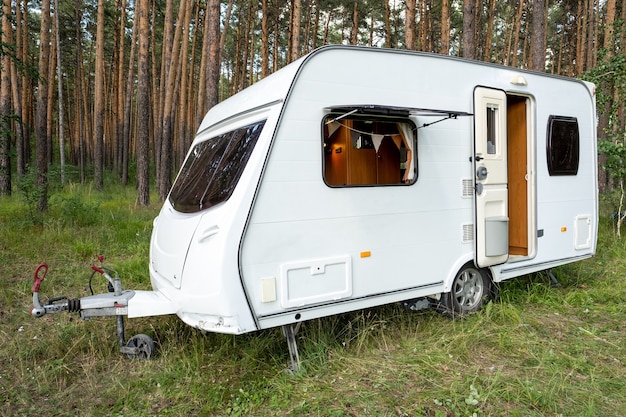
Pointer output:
x,y
213,169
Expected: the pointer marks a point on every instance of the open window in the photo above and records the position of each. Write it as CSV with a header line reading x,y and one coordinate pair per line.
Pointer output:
x,y
368,149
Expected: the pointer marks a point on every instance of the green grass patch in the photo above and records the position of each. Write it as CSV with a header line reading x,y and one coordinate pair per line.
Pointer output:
x,y
540,350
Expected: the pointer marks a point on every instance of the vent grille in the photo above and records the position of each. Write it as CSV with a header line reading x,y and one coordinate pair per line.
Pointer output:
x,y
468,188
468,233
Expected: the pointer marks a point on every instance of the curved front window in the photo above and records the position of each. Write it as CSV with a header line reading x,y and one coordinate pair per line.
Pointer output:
x,y
213,168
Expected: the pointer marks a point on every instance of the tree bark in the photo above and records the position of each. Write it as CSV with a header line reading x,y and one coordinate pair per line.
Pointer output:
x,y
295,31
5,104
143,108
79,95
17,104
354,30
537,39
489,34
469,20
445,27
98,111
60,95
581,38
182,119
409,28
119,91
609,29
387,25
169,102
41,143
213,67
265,40
18,99
591,35
518,25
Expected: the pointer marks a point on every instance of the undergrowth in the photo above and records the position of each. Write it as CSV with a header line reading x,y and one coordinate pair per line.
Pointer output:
x,y
541,350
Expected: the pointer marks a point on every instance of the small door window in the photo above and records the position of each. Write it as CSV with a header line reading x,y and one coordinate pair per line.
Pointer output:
x,y
492,129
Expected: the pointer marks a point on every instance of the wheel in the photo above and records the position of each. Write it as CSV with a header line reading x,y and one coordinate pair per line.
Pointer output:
x,y
143,347
469,292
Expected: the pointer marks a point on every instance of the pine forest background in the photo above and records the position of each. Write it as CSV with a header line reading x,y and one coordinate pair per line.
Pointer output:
x,y
95,89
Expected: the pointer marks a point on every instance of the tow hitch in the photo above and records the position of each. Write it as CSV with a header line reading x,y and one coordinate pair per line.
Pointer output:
x,y
113,303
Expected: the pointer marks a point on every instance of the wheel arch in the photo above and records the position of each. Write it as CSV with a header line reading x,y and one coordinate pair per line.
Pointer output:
x,y
454,269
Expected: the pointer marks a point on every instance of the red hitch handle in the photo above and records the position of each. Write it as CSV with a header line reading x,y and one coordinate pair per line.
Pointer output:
x,y
40,274
97,269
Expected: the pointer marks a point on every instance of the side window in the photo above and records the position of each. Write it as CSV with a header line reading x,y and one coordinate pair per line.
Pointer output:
x,y
563,145
368,150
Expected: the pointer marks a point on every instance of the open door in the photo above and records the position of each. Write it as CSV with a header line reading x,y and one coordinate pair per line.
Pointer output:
x,y
490,167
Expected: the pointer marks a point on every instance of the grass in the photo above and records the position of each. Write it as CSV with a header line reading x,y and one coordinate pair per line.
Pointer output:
x,y
539,351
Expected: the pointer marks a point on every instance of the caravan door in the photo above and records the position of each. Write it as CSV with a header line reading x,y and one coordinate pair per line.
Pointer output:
x,y
490,168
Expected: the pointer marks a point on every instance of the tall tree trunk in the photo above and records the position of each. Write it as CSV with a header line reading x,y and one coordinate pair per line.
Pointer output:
x,y
316,25
17,99
202,79
79,94
445,27
130,80
265,41
167,123
41,144
354,30
213,67
143,107
229,9
160,90
387,25
275,60
609,29
591,35
469,21
409,28
5,103
537,39
17,104
182,119
295,30
518,25
27,89
60,94
581,38
191,102
98,111
119,85
50,76
489,34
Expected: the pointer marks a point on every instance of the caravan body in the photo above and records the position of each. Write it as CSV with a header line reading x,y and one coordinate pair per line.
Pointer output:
x,y
356,177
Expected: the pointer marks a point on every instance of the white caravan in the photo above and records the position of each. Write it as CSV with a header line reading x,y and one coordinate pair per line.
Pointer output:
x,y
356,177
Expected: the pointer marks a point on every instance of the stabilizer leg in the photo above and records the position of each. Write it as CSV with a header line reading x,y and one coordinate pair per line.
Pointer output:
x,y
290,330
553,281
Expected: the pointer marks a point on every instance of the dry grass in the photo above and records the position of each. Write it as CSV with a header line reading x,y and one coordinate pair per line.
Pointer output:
x,y
539,351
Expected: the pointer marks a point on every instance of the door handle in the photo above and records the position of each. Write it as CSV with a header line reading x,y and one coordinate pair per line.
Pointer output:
x,y
478,158
481,173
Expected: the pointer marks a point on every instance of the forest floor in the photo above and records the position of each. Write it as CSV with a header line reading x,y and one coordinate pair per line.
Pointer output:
x,y
540,350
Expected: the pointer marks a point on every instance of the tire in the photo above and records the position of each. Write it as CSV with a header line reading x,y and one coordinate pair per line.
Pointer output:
x,y
143,345
470,290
